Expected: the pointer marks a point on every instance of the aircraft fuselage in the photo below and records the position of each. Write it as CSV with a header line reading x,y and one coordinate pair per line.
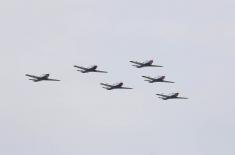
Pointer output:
x,y
149,63
92,69
119,85
172,96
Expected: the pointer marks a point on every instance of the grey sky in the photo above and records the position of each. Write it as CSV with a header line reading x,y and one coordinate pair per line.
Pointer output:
x,y
193,40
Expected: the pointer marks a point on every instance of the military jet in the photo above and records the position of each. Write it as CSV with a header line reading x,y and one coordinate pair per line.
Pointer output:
x,y
44,77
114,86
171,96
144,64
158,79
89,69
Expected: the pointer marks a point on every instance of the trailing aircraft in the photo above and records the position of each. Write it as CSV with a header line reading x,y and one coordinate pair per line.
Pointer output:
x,y
158,79
114,86
44,77
144,64
89,69
171,96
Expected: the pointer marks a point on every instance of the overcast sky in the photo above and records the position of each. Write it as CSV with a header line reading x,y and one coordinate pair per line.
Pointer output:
x,y
193,40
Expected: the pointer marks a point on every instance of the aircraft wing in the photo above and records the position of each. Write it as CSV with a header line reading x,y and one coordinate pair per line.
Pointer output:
x,y
125,88
163,98
156,66
107,85
32,76
168,81
147,77
35,80
80,67
182,98
101,71
162,95
52,80
135,62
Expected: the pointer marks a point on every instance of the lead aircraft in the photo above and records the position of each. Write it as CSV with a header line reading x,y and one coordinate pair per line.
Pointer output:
x,y
114,86
171,96
44,77
148,63
89,69
158,79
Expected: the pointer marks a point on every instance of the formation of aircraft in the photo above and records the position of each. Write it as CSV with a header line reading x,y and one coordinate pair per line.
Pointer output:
x,y
119,85
158,79
171,96
148,63
89,69
114,86
44,77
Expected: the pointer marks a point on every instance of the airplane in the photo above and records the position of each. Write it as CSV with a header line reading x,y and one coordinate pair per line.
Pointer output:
x,y
171,96
144,64
44,77
158,79
89,69
114,86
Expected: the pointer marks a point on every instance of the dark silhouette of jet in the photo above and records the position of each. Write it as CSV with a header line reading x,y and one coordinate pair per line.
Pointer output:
x,y
114,86
144,64
44,77
158,79
89,69
171,96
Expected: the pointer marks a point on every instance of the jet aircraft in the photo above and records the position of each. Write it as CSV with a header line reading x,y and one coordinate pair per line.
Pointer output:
x,y
114,86
144,64
158,79
89,69
171,96
44,77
